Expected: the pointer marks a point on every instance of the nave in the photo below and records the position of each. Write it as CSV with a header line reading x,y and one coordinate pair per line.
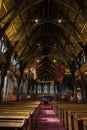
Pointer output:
x,y
43,60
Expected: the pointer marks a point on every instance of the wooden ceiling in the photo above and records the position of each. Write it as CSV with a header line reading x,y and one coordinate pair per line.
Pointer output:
x,y
46,31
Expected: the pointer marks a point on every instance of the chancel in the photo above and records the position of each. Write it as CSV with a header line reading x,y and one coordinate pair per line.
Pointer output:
x,y
43,64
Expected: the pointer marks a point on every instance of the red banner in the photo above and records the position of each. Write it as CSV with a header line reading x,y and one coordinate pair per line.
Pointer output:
x,y
60,74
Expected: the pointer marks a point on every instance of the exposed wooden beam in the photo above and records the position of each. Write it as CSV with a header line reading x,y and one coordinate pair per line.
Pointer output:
x,y
0,4
74,29
83,5
32,4
15,13
70,7
8,12
44,34
23,50
22,28
18,48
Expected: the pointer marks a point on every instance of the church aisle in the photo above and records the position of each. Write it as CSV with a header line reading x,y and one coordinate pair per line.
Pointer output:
x,y
47,119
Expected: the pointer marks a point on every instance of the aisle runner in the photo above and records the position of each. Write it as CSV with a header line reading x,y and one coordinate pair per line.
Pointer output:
x,y
47,119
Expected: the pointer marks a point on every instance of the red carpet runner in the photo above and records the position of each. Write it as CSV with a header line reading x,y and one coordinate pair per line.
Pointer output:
x,y
47,119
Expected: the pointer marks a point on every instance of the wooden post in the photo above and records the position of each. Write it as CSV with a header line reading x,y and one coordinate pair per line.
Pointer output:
x,y
36,88
73,78
74,85
54,89
48,88
18,81
69,121
42,89
31,90
75,118
3,73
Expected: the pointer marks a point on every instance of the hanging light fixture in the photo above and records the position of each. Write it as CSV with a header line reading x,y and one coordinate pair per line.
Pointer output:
x,y
36,20
59,21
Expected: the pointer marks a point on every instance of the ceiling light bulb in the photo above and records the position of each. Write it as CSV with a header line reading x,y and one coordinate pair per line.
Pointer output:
x,y
59,21
36,20
54,60
38,61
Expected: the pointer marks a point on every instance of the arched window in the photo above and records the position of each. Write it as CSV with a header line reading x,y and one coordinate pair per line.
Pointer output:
x,y
52,88
81,58
3,45
45,89
39,88
34,89
15,61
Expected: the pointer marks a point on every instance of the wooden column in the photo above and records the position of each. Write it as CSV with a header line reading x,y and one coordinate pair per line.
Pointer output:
x,y
54,89
72,70
3,73
31,90
19,82
22,67
48,88
83,88
42,92
36,88
31,86
74,86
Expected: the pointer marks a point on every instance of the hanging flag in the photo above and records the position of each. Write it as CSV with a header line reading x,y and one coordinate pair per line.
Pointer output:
x,y
60,73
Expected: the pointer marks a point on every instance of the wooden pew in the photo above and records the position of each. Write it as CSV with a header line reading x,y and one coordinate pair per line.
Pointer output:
x,y
85,124
71,114
82,117
10,116
21,110
31,110
12,124
67,110
15,109
68,116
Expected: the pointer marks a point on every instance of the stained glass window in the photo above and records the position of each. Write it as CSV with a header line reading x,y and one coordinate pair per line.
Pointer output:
x,y
39,88
3,45
34,89
45,88
81,58
15,61
52,88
